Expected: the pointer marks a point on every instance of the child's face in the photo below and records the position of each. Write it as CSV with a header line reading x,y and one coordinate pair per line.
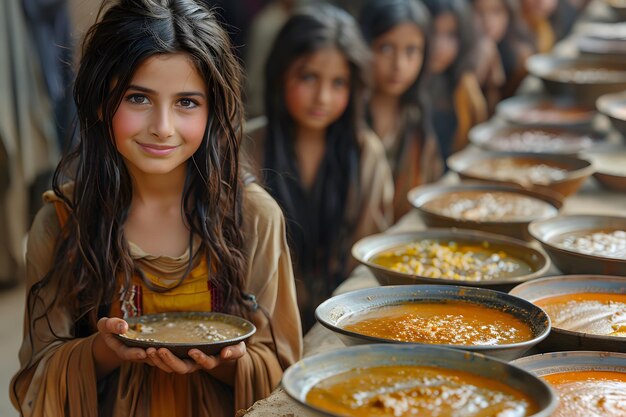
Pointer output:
x,y
398,59
493,18
445,43
317,89
161,120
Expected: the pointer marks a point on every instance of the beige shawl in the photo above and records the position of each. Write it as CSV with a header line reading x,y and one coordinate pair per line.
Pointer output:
x,y
58,377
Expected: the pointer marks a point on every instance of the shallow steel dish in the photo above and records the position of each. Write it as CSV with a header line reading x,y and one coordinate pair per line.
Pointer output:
x,y
491,136
302,376
561,339
365,249
557,362
332,312
578,169
614,107
550,69
602,160
181,349
515,111
513,228
569,261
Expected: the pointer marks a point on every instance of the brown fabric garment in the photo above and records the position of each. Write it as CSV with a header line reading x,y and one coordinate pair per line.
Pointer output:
x,y
57,378
470,107
371,206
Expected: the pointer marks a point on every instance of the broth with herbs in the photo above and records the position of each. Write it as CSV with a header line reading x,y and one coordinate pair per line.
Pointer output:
x,y
183,330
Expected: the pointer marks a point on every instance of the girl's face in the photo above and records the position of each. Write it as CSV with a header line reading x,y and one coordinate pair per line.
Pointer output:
x,y
493,17
161,120
317,88
398,58
445,43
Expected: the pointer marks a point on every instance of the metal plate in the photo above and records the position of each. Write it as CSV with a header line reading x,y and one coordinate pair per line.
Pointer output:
x,y
569,261
365,249
181,349
578,169
334,311
516,229
561,339
514,108
546,66
613,106
302,376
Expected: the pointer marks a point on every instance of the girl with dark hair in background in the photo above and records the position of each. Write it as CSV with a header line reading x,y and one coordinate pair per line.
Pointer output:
x,y
537,14
397,32
316,157
458,102
500,21
156,218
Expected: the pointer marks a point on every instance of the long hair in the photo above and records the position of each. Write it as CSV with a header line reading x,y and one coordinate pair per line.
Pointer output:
x,y
380,16
466,33
315,231
92,253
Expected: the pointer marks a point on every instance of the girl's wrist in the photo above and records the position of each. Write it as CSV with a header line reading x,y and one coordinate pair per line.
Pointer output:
x,y
105,359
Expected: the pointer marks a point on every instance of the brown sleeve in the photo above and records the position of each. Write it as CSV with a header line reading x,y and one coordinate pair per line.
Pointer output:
x,y
48,382
470,107
270,280
375,205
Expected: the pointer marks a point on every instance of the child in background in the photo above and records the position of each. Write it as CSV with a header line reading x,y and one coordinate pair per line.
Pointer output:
x,y
500,21
156,218
326,170
457,100
397,32
536,14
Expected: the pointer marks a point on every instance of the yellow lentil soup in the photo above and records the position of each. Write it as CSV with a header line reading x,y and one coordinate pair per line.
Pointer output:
x,y
452,260
417,391
444,322
602,314
589,393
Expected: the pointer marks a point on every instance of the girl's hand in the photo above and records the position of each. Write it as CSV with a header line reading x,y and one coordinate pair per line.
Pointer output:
x,y
168,362
108,328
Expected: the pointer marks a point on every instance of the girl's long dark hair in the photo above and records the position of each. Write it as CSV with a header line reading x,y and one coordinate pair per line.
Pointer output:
x,y
466,32
380,16
92,253
315,229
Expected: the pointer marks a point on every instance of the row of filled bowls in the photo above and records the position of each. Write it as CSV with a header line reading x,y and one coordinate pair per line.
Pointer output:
x,y
417,373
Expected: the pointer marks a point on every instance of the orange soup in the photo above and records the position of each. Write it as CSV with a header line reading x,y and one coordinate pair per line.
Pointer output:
x,y
423,391
602,314
590,393
453,323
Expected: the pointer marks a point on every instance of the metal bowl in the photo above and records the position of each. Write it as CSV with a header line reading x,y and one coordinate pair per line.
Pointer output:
x,y
578,169
557,362
518,229
304,375
533,111
569,261
607,164
365,249
334,311
614,107
181,349
499,137
553,71
561,339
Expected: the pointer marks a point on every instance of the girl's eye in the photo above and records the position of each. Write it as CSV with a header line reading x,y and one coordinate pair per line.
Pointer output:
x,y
307,77
188,103
137,99
385,48
340,82
412,50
